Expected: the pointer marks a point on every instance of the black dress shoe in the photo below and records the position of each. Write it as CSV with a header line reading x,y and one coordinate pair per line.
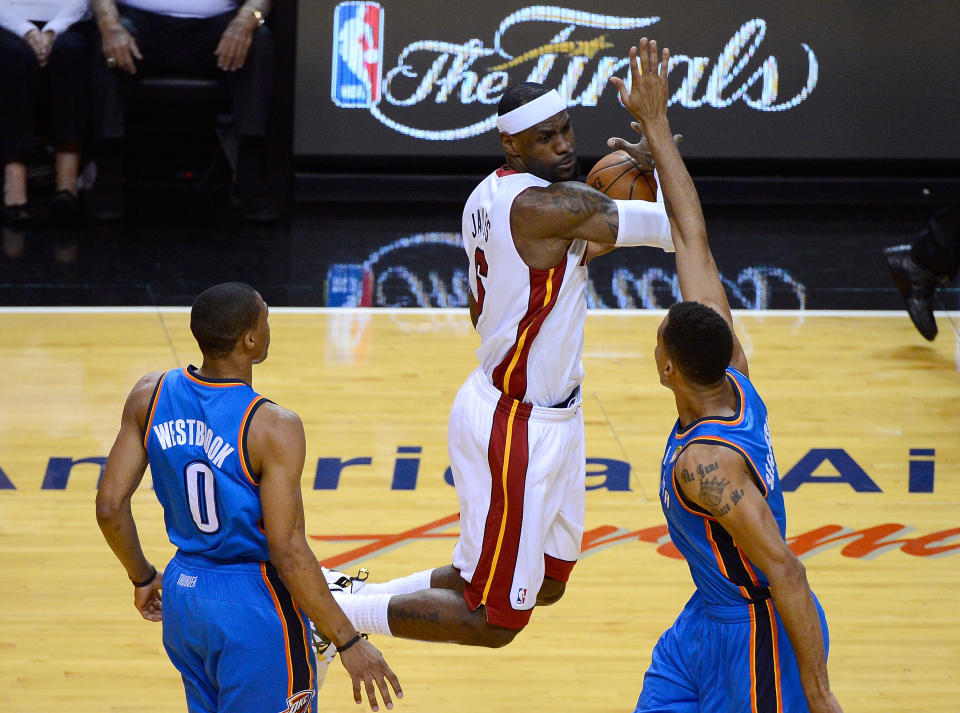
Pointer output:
x,y
18,215
917,285
103,204
256,205
65,207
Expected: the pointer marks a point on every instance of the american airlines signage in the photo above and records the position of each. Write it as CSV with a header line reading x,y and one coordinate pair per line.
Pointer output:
x,y
475,73
393,276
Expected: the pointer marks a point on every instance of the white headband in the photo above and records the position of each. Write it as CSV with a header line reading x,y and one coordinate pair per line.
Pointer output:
x,y
531,113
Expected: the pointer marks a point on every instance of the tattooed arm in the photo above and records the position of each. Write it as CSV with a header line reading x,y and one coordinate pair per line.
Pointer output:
x,y
567,210
717,479
544,221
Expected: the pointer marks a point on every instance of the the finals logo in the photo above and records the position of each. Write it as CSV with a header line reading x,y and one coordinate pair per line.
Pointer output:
x,y
473,74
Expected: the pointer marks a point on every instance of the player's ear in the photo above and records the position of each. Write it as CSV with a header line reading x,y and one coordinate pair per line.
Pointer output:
x,y
509,145
667,372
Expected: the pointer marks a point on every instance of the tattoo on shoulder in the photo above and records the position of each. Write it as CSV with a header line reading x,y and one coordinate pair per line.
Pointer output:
x,y
712,489
735,497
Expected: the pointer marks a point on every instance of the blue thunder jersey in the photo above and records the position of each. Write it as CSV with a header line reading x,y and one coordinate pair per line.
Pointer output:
x,y
195,436
722,572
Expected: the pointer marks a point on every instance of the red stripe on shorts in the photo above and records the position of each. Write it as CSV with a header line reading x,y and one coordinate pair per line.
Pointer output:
x,y
507,459
557,569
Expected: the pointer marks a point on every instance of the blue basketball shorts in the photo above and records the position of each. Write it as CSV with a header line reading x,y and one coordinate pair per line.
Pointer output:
x,y
237,638
725,659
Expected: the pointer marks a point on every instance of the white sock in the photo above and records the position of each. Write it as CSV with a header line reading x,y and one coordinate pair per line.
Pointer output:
x,y
367,614
401,585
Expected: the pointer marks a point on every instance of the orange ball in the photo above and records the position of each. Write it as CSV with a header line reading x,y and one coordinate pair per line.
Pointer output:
x,y
619,176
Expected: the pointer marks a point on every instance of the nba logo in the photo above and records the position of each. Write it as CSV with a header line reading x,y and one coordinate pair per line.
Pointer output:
x,y
357,57
521,595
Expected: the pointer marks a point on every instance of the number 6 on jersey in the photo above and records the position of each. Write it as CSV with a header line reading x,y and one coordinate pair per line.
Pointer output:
x,y
481,262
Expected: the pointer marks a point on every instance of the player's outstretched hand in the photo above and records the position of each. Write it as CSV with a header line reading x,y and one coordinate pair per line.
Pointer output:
x,y
366,665
640,151
648,94
148,599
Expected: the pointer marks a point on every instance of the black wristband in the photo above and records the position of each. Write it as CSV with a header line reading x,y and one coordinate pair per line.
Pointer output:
x,y
147,581
350,643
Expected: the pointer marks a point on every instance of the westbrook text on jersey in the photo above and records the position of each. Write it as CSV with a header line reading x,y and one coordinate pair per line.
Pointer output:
x,y
192,432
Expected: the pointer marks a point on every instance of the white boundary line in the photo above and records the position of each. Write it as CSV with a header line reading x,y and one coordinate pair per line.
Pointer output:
x,y
411,311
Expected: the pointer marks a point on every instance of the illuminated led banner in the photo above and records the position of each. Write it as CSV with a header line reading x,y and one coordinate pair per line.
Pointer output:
x,y
748,79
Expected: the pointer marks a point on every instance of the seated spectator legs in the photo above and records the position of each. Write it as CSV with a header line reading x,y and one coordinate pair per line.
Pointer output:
x,y
231,46
249,75
70,97
18,85
251,87
112,92
66,69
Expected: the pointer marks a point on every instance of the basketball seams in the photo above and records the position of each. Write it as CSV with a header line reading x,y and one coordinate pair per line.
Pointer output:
x,y
634,184
614,181
625,191
624,156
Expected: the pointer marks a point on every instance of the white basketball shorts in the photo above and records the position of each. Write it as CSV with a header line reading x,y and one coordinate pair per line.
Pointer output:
x,y
520,474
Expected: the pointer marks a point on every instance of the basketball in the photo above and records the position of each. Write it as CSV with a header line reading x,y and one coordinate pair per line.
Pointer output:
x,y
619,176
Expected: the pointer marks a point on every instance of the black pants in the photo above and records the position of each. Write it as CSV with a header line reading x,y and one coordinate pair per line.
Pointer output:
x,y
938,247
183,46
65,82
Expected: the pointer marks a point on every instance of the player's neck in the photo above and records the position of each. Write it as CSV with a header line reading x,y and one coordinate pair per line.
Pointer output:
x,y
516,164
695,402
229,368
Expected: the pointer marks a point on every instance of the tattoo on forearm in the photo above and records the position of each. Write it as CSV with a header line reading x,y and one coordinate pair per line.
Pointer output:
x,y
578,200
613,225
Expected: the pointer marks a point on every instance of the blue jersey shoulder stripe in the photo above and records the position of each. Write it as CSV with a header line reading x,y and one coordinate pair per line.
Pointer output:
x,y
152,408
245,463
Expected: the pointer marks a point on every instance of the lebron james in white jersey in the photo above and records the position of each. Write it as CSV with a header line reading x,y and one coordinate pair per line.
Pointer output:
x,y
516,436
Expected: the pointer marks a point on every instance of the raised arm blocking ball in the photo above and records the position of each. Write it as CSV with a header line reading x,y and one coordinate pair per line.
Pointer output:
x,y
619,176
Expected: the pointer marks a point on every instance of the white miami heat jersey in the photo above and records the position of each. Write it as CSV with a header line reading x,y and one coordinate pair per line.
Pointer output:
x,y
531,321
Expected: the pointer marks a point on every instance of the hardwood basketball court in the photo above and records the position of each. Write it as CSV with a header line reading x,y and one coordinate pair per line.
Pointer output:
x,y
854,397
